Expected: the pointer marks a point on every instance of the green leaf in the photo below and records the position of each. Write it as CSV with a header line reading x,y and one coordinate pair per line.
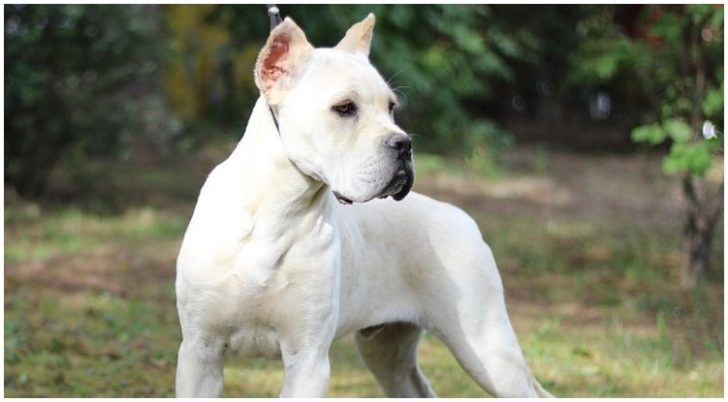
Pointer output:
x,y
678,130
675,161
713,102
668,27
650,133
717,19
694,158
684,105
606,66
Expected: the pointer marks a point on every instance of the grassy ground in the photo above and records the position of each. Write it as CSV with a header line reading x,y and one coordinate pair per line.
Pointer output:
x,y
588,248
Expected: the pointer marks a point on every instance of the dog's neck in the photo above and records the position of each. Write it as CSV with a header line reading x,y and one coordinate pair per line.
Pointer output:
x,y
273,186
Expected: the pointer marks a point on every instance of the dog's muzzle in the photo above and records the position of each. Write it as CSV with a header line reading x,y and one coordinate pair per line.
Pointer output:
x,y
401,182
397,188
404,176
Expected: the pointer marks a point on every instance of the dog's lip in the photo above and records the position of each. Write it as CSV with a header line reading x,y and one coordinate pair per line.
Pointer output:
x,y
405,189
396,184
342,200
401,184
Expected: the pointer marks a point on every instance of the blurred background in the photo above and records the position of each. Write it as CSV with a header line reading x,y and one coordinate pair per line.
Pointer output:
x,y
587,141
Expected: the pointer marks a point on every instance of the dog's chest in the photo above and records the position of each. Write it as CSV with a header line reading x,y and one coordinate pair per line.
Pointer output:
x,y
257,296
244,309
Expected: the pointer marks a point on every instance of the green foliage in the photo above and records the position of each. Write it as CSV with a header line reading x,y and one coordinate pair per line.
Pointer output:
x,y
75,84
685,155
602,52
713,102
88,80
650,133
443,60
695,158
677,58
691,152
678,130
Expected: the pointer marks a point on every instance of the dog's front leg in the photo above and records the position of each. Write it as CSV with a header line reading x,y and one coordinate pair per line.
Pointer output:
x,y
305,350
199,368
306,374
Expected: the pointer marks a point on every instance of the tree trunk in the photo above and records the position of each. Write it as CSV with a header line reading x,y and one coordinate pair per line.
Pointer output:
x,y
699,230
704,208
699,247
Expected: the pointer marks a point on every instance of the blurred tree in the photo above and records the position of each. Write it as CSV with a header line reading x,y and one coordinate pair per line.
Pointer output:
x,y
676,54
76,80
203,70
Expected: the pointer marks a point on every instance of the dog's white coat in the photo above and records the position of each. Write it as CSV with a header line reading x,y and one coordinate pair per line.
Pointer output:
x,y
272,265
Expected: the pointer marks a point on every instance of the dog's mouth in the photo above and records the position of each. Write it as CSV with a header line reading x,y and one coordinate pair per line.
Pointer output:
x,y
397,188
401,183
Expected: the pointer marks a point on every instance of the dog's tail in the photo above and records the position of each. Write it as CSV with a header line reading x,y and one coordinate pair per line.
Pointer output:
x,y
540,391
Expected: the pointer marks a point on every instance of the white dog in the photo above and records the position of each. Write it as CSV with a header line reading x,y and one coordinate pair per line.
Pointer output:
x,y
271,264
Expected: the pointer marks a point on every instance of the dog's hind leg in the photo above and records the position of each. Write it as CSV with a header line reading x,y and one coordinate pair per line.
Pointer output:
x,y
494,360
390,353
473,322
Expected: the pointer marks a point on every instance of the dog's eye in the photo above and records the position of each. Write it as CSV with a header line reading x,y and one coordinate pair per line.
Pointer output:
x,y
392,106
345,109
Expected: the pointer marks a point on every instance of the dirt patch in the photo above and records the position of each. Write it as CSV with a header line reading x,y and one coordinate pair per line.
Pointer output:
x,y
118,272
627,187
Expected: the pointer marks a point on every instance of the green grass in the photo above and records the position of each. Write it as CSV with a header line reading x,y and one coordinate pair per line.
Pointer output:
x,y
89,309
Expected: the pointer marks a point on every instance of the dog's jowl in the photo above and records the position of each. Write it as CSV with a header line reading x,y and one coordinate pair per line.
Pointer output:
x,y
309,232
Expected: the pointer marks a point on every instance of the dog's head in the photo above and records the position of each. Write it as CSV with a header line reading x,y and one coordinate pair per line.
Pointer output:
x,y
335,113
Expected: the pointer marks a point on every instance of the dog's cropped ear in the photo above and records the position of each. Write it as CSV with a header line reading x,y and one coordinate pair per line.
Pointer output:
x,y
358,38
286,49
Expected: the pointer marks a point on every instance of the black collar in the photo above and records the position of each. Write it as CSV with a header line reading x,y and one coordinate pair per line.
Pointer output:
x,y
275,120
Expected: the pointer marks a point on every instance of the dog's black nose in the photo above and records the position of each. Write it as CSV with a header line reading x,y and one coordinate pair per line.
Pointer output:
x,y
400,143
